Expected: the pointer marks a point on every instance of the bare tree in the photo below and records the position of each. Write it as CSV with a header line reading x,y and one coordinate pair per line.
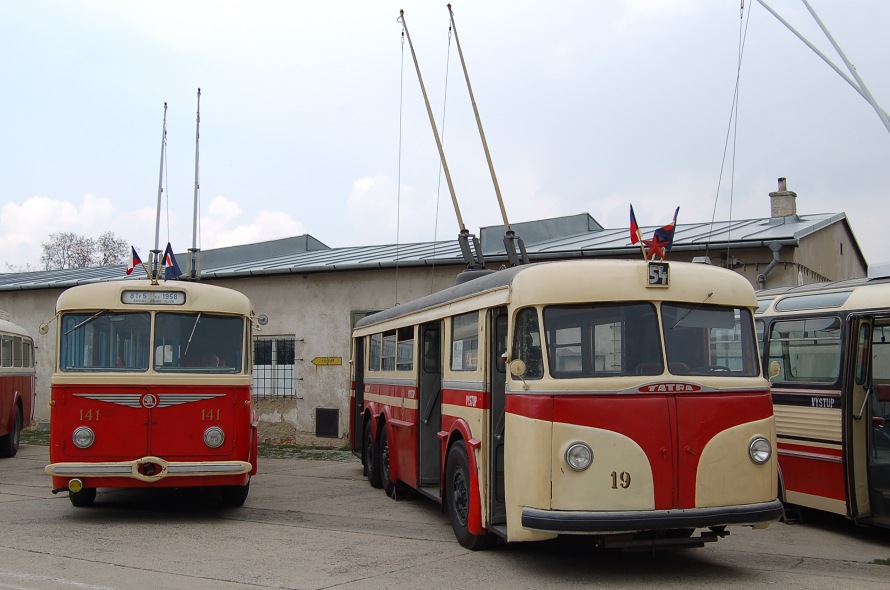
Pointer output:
x,y
69,250
111,249
21,267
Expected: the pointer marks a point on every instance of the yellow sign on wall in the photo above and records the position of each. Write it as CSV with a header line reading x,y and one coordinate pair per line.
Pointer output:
x,y
327,361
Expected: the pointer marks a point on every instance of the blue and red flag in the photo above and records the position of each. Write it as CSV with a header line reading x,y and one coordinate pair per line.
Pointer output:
x,y
662,239
634,228
665,234
171,269
134,260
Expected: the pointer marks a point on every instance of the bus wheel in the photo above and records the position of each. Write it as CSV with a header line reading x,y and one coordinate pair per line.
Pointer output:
x,y
235,495
457,491
9,444
372,471
383,455
84,498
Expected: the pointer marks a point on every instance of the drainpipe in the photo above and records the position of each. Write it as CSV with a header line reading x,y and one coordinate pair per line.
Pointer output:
x,y
761,278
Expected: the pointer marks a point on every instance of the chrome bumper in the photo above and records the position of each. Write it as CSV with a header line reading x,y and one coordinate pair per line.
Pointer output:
x,y
583,522
160,468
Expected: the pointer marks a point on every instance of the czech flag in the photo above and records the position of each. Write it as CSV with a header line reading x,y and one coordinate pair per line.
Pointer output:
x,y
634,228
134,260
665,234
171,269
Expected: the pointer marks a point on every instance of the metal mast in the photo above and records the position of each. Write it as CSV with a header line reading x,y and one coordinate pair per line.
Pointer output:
x,y
510,238
474,262
155,254
193,251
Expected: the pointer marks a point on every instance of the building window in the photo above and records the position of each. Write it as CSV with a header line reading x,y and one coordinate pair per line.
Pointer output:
x,y
274,359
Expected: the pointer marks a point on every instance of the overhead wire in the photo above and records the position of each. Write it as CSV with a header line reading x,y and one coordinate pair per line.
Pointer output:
x,y
439,184
731,131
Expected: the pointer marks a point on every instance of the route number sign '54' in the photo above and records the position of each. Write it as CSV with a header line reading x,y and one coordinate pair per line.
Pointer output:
x,y
659,274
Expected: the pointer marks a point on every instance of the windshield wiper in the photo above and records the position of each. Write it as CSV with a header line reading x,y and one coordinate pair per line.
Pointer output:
x,y
195,327
86,321
691,309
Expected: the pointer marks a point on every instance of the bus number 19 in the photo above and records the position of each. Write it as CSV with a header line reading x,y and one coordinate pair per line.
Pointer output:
x,y
620,479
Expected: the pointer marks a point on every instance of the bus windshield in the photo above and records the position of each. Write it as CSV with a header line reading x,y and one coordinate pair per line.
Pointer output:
x,y
104,341
121,341
198,343
709,340
602,340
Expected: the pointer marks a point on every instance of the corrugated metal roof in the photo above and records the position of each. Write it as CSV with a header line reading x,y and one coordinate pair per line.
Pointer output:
x,y
280,257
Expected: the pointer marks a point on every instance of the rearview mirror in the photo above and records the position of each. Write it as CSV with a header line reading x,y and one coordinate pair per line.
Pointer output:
x,y
774,369
517,367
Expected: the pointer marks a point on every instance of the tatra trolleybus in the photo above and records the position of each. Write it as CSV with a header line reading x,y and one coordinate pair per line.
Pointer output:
x,y
827,347
17,393
151,389
618,399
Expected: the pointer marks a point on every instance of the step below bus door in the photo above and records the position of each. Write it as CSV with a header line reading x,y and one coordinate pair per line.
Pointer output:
x,y
497,371
857,411
877,422
430,404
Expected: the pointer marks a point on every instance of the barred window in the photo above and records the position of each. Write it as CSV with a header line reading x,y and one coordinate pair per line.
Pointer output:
x,y
274,364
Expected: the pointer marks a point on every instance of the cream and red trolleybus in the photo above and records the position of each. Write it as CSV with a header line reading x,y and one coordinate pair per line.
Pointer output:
x,y
17,393
619,399
152,388
827,347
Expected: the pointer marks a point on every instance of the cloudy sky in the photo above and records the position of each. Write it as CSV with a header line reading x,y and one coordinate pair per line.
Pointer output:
x,y
312,120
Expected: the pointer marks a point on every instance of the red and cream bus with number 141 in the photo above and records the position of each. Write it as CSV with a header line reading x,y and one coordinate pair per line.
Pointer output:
x,y
618,399
151,389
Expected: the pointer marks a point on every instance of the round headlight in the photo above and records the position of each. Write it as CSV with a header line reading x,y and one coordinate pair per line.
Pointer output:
x,y
214,437
83,437
760,450
579,456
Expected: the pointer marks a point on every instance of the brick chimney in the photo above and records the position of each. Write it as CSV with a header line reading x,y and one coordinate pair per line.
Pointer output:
x,y
783,203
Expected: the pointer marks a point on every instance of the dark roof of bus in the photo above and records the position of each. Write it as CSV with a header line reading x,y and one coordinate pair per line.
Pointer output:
x,y
811,287
481,284
575,236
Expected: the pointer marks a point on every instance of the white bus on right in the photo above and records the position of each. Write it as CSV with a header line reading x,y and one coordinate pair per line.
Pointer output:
x,y
826,349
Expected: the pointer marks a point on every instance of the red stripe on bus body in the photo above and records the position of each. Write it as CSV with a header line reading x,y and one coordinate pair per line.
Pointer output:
x,y
480,400
813,476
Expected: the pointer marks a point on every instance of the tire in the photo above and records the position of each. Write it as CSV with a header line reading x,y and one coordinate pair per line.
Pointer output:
x,y
84,498
9,443
369,454
457,499
235,495
383,460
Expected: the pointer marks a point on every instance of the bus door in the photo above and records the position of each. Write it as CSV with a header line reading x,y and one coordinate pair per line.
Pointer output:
x,y
878,422
358,406
430,404
857,376
497,385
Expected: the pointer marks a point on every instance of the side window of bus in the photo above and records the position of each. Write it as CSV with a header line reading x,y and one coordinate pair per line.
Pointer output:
x,y
405,349
807,350
27,354
465,342
431,354
17,351
880,352
527,343
6,351
375,342
388,354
